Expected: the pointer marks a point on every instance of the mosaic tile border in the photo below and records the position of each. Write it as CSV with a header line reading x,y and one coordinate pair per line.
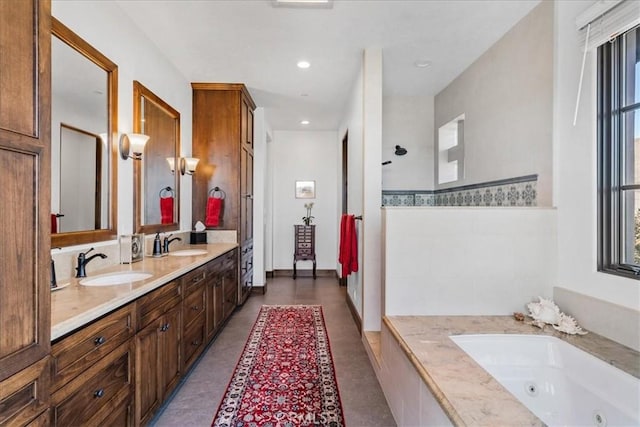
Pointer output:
x,y
519,191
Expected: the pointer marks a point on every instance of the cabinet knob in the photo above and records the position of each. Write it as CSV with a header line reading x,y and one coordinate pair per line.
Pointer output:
x,y
165,327
99,341
98,393
195,308
195,343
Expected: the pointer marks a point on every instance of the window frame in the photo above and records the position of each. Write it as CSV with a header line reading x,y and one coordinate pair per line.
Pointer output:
x,y
610,157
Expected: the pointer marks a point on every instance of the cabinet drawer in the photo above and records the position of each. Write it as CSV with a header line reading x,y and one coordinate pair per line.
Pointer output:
x,y
193,278
89,399
25,395
193,306
158,302
76,353
193,341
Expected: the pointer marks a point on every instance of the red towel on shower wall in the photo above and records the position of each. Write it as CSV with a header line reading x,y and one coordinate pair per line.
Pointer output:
x,y
54,223
214,207
348,245
166,210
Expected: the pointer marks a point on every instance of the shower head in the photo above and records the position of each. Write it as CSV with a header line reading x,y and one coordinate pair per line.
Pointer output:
x,y
400,151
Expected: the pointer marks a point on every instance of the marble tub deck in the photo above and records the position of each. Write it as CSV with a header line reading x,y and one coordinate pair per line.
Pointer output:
x,y
466,392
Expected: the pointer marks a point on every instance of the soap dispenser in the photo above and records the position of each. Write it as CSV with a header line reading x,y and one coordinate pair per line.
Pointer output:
x,y
157,246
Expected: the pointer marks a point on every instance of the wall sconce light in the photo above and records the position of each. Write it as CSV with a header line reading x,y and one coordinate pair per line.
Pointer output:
x,y
188,165
134,143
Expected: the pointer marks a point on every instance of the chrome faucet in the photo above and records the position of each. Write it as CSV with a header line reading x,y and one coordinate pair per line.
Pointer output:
x,y
168,241
83,261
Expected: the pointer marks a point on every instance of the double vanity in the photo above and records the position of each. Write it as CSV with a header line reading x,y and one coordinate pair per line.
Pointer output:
x,y
123,337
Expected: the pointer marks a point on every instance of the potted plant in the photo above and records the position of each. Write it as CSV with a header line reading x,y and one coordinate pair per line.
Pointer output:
x,y
307,219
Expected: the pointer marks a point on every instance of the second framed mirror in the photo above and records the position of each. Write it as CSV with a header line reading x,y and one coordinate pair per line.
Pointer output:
x,y
157,174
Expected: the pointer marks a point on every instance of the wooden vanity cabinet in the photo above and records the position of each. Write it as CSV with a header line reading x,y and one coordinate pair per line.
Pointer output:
x,y
25,177
92,398
193,314
221,291
158,348
92,372
223,141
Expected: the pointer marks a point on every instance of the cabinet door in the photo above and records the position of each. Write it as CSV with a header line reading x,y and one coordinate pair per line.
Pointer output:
x,y
148,354
248,220
25,177
244,194
171,350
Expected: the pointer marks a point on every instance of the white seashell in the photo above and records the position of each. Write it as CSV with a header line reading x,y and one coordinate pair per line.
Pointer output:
x,y
545,310
568,324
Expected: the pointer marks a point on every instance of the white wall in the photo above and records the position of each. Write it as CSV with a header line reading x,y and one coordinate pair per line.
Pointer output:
x,y
575,170
467,261
260,181
353,125
371,225
506,96
304,156
408,122
105,26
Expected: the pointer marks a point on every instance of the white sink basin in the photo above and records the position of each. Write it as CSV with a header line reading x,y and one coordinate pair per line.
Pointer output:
x,y
189,252
115,278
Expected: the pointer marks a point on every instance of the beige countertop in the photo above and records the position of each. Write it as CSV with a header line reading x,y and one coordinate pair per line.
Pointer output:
x,y
76,305
466,392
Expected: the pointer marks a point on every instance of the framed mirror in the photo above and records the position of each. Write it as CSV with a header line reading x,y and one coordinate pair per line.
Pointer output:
x,y
84,91
157,174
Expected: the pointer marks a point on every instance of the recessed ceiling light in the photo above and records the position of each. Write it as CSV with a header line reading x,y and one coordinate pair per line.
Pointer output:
x,y
422,63
304,122
322,4
303,64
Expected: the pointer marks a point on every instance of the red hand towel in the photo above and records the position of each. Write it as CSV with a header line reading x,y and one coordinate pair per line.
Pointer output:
x,y
166,210
214,207
54,224
348,245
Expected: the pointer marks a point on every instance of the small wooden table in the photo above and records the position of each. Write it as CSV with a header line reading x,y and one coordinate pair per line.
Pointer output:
x,y
305,246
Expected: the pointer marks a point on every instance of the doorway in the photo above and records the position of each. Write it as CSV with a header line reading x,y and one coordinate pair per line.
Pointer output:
x,y
345,183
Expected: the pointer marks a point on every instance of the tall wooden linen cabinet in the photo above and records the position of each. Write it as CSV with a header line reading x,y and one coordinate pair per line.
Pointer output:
x,y
25,120
223,141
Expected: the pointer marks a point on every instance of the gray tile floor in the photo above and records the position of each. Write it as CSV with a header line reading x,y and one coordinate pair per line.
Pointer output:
x,y
198,397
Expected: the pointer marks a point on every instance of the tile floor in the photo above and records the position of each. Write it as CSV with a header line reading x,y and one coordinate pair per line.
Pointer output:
x,y
197,398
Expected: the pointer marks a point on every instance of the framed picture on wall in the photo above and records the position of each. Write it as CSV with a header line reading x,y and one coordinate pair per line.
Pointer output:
x,y
305,189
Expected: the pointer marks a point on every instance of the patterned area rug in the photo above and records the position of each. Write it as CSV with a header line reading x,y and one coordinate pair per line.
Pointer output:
x,y
285,375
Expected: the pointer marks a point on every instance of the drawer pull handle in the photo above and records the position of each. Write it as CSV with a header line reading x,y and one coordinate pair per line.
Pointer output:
x,y
244,269
165,327
195,343
98,393
195,308
99,341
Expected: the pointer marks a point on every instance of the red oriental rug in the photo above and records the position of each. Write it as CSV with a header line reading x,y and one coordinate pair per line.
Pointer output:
x,y
285,375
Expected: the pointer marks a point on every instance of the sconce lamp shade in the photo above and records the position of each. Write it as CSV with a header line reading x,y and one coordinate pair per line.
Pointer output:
x,y
191,163
132,143
172,163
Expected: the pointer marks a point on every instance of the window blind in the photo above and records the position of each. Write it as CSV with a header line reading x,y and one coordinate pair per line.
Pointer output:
x,y
608,19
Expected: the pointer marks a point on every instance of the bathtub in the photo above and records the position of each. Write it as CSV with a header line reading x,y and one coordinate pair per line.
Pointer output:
x,y
561,384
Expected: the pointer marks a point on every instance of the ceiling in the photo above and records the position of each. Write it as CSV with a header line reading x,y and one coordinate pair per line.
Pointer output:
x,y
253,42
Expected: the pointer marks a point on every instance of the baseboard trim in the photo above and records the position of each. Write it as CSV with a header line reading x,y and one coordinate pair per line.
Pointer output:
x,y
262,288
354,313
305,273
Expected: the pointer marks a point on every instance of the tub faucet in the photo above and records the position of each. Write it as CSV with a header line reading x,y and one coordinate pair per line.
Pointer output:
x,y
168,241
83,261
